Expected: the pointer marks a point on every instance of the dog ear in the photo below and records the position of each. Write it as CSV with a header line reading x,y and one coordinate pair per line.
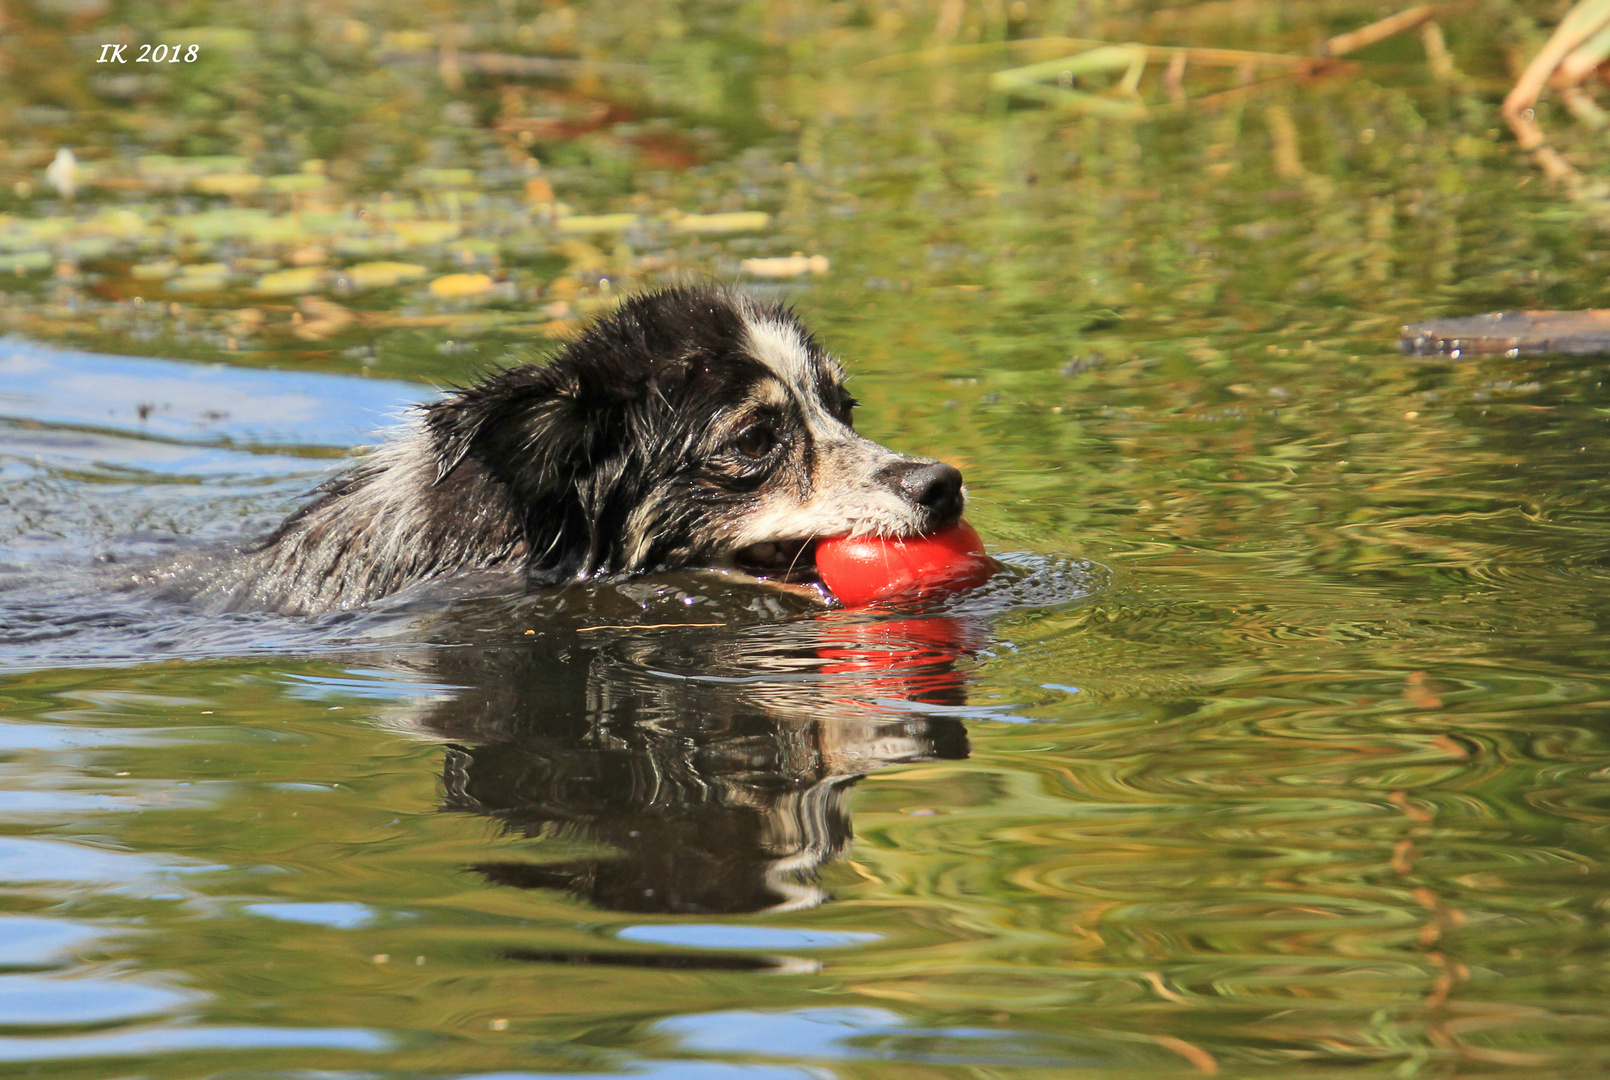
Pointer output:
x,y
468,414
537,422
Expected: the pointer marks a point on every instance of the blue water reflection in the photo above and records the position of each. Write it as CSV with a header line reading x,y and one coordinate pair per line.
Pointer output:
x,y
30,941
720,936
212,403
178,1040
342,916
48,1001
665,1070
860,1032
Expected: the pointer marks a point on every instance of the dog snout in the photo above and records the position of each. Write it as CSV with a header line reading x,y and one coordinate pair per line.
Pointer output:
x,y
934,486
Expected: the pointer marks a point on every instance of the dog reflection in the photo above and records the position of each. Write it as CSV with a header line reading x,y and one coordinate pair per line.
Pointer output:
x,y
692,794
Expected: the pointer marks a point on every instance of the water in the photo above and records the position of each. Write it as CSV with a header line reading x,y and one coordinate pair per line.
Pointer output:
x,y
1305,772
1278,748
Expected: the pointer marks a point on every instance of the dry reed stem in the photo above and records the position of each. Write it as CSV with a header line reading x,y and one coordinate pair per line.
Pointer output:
x,y
1582,22
1353,40
1288,157
1438,58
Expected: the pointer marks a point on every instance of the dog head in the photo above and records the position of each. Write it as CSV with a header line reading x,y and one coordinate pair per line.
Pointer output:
x,y
691,427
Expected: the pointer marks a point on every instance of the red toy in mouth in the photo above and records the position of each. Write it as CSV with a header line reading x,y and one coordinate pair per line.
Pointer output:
x,y
862,569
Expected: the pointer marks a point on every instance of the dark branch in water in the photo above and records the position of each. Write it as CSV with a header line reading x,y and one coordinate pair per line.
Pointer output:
x,y
1516,333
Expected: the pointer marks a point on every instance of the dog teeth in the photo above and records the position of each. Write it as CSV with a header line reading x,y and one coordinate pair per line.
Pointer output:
x,y
764,552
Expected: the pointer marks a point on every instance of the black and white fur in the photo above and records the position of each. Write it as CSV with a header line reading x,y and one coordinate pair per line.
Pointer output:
x,y
690,427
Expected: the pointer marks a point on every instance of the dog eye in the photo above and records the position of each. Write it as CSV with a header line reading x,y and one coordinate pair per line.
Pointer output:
x,y
755,442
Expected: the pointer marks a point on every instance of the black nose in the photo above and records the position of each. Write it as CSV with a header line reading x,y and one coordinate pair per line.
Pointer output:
x,y
936,486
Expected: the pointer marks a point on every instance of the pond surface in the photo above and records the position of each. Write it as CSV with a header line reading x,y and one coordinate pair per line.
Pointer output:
x,y
1280,747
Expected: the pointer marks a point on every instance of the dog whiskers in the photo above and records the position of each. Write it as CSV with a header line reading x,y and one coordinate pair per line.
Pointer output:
x,y
789,573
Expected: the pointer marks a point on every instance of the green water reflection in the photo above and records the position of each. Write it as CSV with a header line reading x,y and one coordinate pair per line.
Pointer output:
x,y
1311,784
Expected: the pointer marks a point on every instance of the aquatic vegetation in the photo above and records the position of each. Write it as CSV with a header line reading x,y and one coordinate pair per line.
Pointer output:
x,y
303,279
380,275
461,286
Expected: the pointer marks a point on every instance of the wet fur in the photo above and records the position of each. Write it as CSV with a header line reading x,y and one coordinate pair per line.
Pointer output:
x,y
615,457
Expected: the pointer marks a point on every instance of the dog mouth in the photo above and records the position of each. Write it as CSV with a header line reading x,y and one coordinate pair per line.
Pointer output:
x,y
793,561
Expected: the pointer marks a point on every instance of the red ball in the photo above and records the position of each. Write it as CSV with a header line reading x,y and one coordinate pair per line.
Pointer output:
x,y
862,569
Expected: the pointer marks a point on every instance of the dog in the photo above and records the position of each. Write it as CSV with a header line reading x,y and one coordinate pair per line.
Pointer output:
x,y
691,427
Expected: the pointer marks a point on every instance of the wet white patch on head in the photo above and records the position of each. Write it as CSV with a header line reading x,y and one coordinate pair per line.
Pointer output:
x,y
771,392
782,348
780,345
